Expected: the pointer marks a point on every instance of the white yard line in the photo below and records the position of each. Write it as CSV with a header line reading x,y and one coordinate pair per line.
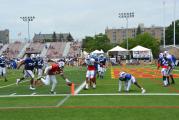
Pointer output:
x,y
12,94
105,94
33,93
12,84
61,102
36,95
80,88
131,94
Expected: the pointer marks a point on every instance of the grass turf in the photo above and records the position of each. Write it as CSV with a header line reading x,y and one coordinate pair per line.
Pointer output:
x,y
90,107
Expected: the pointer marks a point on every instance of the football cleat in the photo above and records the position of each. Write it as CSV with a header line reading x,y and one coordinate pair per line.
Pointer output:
x,y
143,91
53,92
17,81
68,83
32,88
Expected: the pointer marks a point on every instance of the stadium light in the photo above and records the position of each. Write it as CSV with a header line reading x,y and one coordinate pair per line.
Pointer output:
x,y
126,15
164,24
28,19
174,9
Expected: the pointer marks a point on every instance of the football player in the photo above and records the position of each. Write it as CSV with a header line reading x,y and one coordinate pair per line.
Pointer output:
x,y
164,63
40,64
172,60
51,71
101,66
28,70
3,67
128,79
90,74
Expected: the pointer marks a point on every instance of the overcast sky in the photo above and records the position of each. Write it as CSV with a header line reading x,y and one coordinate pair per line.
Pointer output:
x,y
81,17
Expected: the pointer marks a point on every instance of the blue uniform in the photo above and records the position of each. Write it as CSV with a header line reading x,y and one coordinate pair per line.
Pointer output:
x,y
40,63
125,77
29,64
2,62
102,60
96,64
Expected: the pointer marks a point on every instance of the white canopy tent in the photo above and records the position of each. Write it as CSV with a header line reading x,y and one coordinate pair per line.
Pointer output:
x,y
97,52
141,52
118,51
85,54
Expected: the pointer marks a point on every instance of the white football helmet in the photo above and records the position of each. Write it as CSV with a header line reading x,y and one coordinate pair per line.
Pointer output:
x,y
61,64
121,74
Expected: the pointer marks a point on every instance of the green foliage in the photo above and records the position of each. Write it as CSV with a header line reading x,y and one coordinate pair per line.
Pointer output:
x,y
145,40
169,33
54,37
69,38
99,42
139,31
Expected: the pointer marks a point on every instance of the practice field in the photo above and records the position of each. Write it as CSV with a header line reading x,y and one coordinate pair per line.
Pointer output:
x,y
102,103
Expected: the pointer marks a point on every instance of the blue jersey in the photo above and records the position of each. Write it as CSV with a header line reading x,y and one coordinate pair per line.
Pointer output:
x,y
164,62
29,64
96,63
102,61
2,62
40,63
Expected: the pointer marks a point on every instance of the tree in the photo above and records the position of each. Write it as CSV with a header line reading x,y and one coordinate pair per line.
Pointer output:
x,y
99,41
69,38
169,33
139,31
54,37
145,40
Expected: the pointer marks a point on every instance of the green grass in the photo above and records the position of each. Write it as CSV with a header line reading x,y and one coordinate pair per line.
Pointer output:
x,y
89,107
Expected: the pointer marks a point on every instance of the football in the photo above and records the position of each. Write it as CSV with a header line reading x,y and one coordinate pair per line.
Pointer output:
x,y
68,83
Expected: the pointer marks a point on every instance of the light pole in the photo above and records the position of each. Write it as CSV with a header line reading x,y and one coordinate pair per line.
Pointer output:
x,y
164,24
28,19
174,22
126,15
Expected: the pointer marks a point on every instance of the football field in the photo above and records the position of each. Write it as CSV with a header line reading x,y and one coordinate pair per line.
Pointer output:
x,y
102,103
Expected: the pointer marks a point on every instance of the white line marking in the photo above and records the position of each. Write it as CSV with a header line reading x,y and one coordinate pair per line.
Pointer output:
x,y
33,93
12,84
12,94
105,94
42,95
131,94
80,88
63,101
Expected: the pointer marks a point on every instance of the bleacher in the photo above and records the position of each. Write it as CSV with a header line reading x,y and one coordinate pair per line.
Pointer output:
x,y
36,47
74,49
13,49
54,49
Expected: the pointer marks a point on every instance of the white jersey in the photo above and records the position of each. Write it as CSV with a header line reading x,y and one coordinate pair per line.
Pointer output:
x,y
90,61
170,58
61,63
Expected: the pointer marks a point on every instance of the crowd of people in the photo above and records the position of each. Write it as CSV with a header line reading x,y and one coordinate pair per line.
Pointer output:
x,y
96,67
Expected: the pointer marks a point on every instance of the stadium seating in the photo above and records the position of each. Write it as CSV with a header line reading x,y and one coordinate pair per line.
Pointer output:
x,y
13,49
56,49
74,49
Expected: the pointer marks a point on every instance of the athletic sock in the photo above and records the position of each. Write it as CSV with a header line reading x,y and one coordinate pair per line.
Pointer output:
x,y
172,78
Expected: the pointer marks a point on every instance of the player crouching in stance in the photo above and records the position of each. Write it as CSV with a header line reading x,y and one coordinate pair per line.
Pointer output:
x,y
50,72
128,79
